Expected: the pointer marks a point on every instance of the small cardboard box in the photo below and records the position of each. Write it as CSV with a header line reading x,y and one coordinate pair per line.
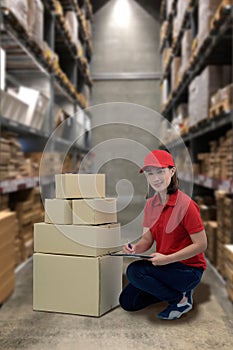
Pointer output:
x,y
80,185
58,211
94,211
77,239
76,285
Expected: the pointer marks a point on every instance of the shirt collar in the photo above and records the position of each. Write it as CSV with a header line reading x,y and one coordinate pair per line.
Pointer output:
x,y
171,201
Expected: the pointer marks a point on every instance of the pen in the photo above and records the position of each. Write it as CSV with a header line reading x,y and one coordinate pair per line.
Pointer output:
x,y
130,245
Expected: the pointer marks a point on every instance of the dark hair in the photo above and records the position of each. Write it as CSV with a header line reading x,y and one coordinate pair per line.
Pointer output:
x,y
172,187
174,184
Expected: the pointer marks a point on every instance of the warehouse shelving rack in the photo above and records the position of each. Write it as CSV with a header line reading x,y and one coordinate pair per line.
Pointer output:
x,y
216,49
28,65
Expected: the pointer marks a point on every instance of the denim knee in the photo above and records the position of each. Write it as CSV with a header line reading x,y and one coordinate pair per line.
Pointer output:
x,y
135,270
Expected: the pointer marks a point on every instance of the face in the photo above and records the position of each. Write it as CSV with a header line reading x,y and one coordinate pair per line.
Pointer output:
x,y
159,178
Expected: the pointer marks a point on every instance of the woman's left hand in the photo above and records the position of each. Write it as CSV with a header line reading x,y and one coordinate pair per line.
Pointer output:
x,y
159,259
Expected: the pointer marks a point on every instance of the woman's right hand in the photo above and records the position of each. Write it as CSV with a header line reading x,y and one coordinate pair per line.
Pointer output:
x,y
128,250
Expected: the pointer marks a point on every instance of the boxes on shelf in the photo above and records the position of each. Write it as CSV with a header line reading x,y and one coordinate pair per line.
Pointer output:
x,y
229,269
163,31
72,23
22,203
94,211
175,71
218,163
224,203
12,107
164,93
206,11
4,202
169,4
211,233
12,169
58,211
167,52
2,70
8,232
76,284
38,104
80,185
208,212
221,101
19,9
202,87
36,21
186,49
180,119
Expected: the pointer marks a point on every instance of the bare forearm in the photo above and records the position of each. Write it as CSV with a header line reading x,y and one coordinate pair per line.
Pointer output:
x,y
185,253
144,244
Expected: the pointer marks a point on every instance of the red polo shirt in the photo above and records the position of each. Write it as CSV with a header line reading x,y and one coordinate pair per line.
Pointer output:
x,y
172,224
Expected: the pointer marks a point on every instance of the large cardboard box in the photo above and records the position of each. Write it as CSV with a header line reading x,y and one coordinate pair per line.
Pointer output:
x,y
94,211
38,104
36,21
80,185
76,285
186,48
206,11
58,211
202,87
77,239
19,8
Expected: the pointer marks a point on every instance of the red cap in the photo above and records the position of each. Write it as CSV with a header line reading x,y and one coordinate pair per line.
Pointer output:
x,y
158,159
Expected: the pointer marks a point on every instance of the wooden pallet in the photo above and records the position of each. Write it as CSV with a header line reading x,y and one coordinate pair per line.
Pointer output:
x,y
222,107
224,8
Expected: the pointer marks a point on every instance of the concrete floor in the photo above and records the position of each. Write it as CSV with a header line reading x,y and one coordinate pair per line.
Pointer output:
x,y
208,326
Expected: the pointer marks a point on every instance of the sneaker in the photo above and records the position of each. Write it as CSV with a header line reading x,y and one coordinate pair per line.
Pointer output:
x,y
174,311
189,296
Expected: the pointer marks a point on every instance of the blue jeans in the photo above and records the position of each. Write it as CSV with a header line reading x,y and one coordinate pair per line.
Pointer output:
x,y
151,284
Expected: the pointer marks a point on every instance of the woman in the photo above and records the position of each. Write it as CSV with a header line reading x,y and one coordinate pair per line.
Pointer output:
x,y
171,219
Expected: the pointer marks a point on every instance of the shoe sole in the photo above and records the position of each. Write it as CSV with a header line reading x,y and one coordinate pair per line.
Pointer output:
x,y
177,316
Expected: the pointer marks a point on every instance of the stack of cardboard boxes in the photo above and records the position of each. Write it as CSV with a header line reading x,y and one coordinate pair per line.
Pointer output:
x,y
229,269
8,231
73,271
224,204
29,210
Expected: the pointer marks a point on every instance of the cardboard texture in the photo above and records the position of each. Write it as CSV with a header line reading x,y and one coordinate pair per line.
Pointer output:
x,y
94,211
80,185
72,23
176,62
58,211
36,21
76,285
186,49
77,239
206,11
7,260
202,87
19,8
7,288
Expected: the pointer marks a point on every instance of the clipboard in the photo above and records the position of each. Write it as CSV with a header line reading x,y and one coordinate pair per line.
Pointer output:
x,y
139,256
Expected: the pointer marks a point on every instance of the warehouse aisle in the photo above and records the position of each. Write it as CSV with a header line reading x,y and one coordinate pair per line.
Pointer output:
x,y
208,326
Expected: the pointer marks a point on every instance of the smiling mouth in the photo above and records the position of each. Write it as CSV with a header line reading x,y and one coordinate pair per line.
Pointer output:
x,y
157,184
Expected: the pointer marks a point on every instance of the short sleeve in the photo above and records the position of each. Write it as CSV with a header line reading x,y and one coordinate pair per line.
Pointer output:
x,y
146,219
192,221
